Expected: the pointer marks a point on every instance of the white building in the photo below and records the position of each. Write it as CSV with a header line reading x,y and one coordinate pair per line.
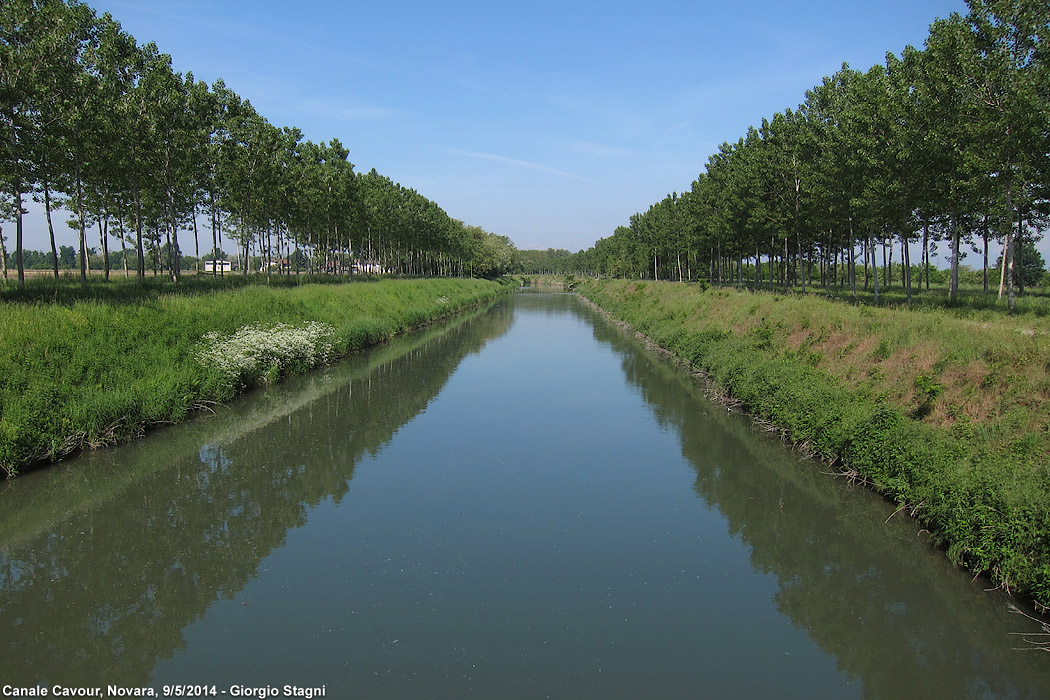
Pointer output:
x,y
218,266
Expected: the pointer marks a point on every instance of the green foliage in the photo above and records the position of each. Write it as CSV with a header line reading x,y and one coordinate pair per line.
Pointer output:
x,y
940,146
544,262
67,257
762,335
927,388
881,351
1029,264
103,127
493,255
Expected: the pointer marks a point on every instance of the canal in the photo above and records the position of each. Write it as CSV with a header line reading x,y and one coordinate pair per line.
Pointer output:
x,y
523,503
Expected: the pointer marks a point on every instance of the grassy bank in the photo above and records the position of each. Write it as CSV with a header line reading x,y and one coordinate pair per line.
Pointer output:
x,y
947,411
90,368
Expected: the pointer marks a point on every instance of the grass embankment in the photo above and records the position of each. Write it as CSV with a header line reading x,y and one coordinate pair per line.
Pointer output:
x,y
946,411
100,364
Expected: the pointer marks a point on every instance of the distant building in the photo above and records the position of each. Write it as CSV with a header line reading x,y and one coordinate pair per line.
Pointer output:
x,y
368,268
218,266
282,265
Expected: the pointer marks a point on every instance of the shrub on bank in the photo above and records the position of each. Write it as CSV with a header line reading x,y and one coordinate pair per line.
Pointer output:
x,y
258,352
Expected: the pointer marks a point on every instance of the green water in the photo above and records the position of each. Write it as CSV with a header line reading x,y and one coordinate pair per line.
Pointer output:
x,y
522,504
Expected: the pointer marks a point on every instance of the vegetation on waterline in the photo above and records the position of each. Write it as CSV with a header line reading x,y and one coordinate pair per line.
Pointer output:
x,y
947,413
88,373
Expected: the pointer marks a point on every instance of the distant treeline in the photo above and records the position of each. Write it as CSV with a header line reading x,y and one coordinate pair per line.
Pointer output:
x,y
1030,271
99,125
950,143
156,260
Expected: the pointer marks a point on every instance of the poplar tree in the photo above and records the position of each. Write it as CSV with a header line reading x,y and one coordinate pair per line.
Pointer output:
x,y
1005,68
28,48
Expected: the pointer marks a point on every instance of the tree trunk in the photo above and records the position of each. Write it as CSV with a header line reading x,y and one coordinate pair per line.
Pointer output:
x,y
953,291
787,265
772,252
864,247
267,258
801,263
926,252
140,254
173,239
196,242
875,276
123,244
984,269
50,225
3,253
214,236
18,206
103,231
906,254
853,262
887,268
83,229
851,273
18,239
1011,298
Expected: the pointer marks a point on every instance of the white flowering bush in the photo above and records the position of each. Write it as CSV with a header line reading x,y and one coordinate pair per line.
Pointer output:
x,y
257,353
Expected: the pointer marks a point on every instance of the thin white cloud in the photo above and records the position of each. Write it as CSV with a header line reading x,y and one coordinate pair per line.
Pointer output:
x,y
601,150
515,162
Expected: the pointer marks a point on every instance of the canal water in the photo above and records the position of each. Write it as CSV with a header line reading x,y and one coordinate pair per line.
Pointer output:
x,y
524,503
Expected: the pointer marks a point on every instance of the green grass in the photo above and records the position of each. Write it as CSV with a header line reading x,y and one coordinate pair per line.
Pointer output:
x,y
945,410
972,297
98,364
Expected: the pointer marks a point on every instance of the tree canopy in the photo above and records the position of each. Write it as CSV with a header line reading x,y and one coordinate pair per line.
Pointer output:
x,y
93,122
949,143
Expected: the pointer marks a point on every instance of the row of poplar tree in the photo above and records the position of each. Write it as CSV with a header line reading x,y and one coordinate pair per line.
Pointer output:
x,y
97,124
951,142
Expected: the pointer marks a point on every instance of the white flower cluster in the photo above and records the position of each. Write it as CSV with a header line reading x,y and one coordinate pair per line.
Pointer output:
x,y
266,353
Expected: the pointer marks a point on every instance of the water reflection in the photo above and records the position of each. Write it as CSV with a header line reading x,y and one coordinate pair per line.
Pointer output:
x,y
865,584
105,561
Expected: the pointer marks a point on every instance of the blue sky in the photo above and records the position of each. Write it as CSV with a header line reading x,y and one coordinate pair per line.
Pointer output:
x,y
548,122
